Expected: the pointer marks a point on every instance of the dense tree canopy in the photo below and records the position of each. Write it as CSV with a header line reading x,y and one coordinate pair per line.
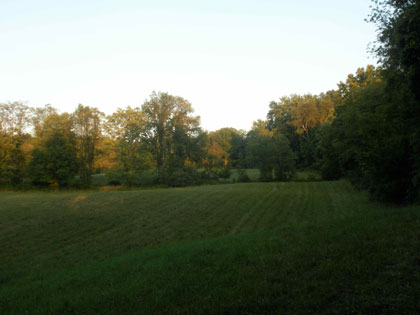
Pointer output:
x,y
87,127
172,131
128,128
55,161
298,117
366,130
270,152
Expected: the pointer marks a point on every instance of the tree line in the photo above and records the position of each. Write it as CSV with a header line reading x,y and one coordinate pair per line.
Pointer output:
x,y
374,139
366,130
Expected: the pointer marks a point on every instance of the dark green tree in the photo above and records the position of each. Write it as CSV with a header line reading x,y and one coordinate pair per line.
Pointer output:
x,y
369,142
55,161
14,127
228,145
12,159
398,49
270,152
298,117
128,128
337,138
87,127
173,133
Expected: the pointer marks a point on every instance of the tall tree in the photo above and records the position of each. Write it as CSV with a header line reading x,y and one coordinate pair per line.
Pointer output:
x,y
14,127
14,118
172,131
12,159
298,118
128,128
39,114
54,159
398,38
222,141
87,127
54,122
237,151
398,49
270,152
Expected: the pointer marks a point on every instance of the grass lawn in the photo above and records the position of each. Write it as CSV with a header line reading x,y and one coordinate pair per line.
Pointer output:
x,y
298,247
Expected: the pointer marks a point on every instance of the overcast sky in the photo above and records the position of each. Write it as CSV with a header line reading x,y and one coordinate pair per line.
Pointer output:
x,y
229,58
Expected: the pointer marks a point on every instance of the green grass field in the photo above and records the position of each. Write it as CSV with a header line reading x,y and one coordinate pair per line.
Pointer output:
x,y
257,248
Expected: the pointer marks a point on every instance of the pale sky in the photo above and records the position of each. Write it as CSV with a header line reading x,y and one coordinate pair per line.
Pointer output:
x,y
229,58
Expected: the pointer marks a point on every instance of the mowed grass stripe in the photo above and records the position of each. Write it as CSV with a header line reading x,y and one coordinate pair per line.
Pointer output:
x,y
102,224
92,232
95,224
98,216
303,247
145,213
270,217
256,211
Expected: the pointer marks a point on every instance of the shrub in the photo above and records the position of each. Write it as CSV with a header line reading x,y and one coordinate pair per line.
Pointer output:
x,y
209,175
180,177
243,176
266,174
224,173
115,178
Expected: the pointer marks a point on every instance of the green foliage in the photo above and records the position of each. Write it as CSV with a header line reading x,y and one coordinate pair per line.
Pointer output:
x,y
180,177
173,134
54,162
298,117
208,163
115,177
270,152
135,179
397,46
398,39
128,128
284,167
228,146
260,150
238,150
224,173
14,118
51,123
328,151
12,160
243,176
375,138
87,127
367,142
